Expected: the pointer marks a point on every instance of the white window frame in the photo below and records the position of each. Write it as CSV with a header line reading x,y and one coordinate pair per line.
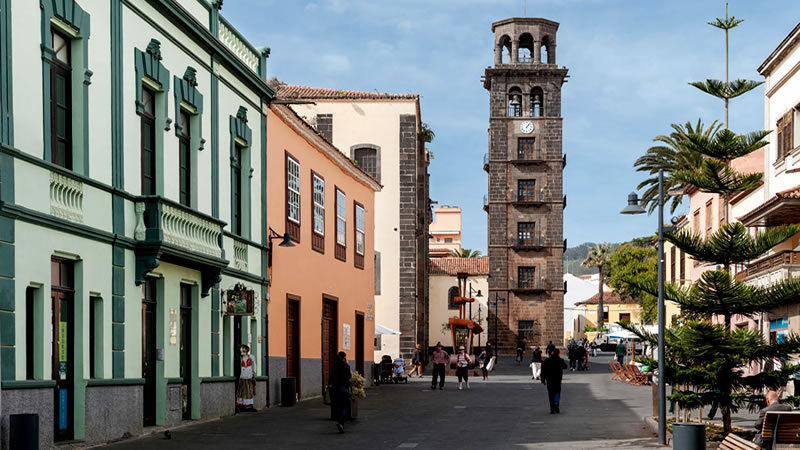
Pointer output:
x,y
319,204
293,194
360,235
341,218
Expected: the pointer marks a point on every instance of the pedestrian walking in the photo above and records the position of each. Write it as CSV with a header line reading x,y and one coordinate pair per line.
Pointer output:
x,y
549,349
552,371
520,351
416,362
621,351
483,360
536,363
582,356
462,367
572,354
490,358
246,387
340,389
440,361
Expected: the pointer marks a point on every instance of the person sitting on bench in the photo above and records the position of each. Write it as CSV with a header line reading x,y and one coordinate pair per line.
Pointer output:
x,y
772,405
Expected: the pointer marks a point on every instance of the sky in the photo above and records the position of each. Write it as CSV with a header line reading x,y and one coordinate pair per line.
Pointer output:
x,y
629,64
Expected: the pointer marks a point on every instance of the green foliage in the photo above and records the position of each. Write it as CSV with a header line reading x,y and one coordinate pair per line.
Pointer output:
x,y
466,253
426,133
590,329
671,155
641,263
599,258
574,256
729,90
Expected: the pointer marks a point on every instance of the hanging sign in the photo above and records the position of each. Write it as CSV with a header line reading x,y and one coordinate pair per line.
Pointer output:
x,y
346,336
240,301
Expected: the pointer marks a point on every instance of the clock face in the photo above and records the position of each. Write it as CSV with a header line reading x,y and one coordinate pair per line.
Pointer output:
x,y
526,127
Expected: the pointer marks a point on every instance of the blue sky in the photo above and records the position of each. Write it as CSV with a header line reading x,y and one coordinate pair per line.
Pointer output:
x,y
629,63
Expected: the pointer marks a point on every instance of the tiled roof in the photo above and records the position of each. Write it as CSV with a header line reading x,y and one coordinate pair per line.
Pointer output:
x,y
609,298
791,193
452,266
288,91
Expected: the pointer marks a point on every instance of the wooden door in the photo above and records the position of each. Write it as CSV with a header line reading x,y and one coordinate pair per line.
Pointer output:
x,y
63,344
293,340
329,337
149,350
186,350
360,343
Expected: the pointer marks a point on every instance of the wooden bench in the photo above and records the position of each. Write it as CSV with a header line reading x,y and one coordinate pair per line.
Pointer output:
x,y
780,427
734,442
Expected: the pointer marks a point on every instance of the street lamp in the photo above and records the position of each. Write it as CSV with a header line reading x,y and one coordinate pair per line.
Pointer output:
x,y
479,321
477,295
286,241
634,208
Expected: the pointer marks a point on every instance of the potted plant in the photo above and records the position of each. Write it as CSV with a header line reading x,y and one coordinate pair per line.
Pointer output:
x,y
356,392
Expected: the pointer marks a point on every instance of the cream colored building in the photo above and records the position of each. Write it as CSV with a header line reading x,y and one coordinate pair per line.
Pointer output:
x,y
445,231
444,288
381,133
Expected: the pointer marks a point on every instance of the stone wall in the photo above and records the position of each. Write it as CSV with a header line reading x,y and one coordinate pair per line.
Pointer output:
x,y
219,398
408,234
105,420
325,126
28,401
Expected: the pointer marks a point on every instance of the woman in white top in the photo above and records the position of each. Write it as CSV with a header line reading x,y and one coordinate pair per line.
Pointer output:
x,y
246,389
462,363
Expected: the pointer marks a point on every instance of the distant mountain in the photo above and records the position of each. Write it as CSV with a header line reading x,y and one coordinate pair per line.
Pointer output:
x,y
574,256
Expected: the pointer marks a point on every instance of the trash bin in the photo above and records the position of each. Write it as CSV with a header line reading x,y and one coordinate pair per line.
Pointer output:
x,y
688,436
288,391
24,431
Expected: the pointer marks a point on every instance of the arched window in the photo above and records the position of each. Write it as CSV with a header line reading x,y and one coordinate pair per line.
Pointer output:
x,y
514,102
368,157
505,49
544,57
525,52
537,102
452,293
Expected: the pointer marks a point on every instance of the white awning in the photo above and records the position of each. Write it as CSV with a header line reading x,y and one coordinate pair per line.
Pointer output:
x,y
380,329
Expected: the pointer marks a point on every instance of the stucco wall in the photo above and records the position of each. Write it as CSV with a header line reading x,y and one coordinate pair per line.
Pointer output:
x,y
439,313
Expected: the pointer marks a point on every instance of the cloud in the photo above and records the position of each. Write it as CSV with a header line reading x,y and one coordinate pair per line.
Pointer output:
x,y
335,63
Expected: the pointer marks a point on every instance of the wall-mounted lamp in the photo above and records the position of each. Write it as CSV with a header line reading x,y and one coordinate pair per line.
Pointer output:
x,y
286,241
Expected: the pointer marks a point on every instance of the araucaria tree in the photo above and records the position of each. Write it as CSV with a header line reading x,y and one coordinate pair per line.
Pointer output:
x,y
708,357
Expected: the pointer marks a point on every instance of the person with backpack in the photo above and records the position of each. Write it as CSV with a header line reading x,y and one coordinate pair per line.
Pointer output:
x,y
462,367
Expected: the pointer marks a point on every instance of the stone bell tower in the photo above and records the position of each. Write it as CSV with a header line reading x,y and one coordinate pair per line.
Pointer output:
x,y
525,204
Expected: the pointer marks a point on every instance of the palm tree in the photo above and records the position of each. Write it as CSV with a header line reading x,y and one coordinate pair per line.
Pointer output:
x,y
466,253
599,257
671,155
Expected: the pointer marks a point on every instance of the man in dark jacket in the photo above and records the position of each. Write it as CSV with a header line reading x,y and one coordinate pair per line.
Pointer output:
x,y
552,371
772,405
549,349
340,389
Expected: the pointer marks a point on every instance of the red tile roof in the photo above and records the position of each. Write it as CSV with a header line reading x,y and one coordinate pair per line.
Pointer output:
x,y
452,266
609,298
791,193
288,91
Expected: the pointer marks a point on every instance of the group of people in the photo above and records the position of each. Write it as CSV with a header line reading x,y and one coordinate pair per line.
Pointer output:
x,y
441,359
578,354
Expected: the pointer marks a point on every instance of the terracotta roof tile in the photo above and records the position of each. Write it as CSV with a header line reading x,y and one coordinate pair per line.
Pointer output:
x,y
452,266
288,91
789,193
609,298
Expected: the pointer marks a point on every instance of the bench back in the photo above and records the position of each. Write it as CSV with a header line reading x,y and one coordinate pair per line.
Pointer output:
x,y
783,426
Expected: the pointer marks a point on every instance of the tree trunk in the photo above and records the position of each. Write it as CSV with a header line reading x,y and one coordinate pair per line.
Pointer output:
x,y
600,318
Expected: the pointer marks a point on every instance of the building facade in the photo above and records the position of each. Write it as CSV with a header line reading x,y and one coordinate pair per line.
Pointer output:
x,y
444,289
132,214
322,288
525,164
445,231
381,132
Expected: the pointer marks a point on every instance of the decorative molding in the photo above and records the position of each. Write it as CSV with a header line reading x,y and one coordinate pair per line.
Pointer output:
x,y
236,44
241,132
190,231
148,64
66,198
240,253
6,75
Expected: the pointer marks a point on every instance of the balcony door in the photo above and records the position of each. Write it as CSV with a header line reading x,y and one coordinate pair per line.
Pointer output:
x,y
330,342
293,340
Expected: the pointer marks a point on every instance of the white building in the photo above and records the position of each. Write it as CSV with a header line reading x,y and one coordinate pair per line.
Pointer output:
x,y
578,290
133,246
444,289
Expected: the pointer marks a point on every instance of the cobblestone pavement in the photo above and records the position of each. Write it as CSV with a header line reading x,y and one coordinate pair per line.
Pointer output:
x,y
507,411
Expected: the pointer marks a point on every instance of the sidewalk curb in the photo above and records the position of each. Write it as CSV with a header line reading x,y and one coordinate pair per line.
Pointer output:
x,y
652,424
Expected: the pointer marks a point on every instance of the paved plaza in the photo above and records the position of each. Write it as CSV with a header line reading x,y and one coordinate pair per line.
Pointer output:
x,y
507,411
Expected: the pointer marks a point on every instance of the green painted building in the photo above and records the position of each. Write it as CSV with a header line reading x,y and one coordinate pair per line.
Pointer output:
x,y
133,245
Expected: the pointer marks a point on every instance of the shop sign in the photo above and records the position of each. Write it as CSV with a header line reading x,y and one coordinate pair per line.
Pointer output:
x,y
240,301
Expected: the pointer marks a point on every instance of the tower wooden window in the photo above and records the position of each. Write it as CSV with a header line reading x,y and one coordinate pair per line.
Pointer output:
x,y
185,159
526,148
526,277
61,101
526,233
148,143
526,190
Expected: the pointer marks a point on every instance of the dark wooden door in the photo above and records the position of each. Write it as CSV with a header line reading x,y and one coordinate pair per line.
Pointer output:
x,y
329,341
237,346
61,297
186,350
360,343
293,340
149,350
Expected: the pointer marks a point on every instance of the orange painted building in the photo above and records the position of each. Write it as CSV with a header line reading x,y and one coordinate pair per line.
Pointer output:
x,y
321,297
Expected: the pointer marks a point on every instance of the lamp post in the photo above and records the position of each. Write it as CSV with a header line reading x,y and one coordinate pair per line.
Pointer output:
x,y
634,208
479,321
477,295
